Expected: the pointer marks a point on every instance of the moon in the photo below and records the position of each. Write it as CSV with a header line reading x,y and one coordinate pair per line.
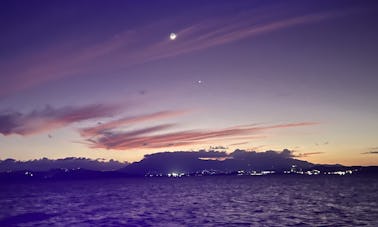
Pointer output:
x,y
172,36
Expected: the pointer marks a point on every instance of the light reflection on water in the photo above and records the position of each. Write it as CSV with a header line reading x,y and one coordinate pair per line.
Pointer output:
x,y
194,201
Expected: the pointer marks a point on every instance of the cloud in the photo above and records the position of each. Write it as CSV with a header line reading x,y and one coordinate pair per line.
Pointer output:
x,y
191,154
304,155
126,121
218,148
127,48
370,152
143,139
242,154
50,118
217,32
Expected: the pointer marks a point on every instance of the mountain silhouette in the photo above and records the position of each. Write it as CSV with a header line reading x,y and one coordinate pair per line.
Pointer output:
x,y
46,164
198,161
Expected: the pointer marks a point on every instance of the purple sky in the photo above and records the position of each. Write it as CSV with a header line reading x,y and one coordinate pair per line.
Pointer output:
x,y
102,79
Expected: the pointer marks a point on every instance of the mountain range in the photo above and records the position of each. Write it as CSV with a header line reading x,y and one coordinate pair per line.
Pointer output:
x,y
165,163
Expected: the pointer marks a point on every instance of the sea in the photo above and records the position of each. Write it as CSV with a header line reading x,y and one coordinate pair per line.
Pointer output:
x,y
193,201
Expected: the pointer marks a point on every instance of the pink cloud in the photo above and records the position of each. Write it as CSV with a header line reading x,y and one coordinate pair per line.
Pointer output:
x,y
92,131
50,118
142,139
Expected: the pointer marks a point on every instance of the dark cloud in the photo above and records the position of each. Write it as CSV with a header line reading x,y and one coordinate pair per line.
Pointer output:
x,y
142,92
50,118
236,144
9,122
322,144
190,154
371,152
242,154
303,155
218,148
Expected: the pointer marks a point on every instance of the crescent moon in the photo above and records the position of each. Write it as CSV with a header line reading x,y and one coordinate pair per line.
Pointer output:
x,y
172,36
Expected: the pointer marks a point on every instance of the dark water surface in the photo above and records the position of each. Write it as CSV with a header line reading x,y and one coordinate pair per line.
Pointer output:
x,y
193,201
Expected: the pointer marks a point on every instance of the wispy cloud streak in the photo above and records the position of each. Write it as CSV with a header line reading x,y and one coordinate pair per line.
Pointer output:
x,y
307,154
129,48
50,118
102,128
142,139
370,152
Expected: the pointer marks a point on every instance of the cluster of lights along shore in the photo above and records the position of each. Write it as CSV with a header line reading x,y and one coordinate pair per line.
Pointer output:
x,y
177,174
293,170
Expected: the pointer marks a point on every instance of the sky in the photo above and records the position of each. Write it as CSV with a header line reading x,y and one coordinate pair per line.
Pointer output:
x,y
103,79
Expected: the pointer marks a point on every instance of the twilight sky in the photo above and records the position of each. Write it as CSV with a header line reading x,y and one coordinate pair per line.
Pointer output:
x,y
102,79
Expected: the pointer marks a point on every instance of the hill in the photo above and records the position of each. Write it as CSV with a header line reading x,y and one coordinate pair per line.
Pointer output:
x,y
214,161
